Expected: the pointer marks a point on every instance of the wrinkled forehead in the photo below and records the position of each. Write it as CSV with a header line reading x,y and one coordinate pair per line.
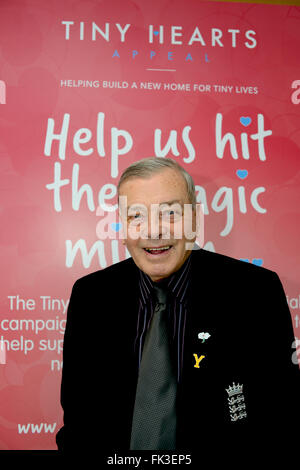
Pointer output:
x,y
137,206
166,187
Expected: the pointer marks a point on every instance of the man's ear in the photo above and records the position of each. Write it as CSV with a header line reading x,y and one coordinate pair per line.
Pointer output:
x,y
124,223
199,214
200,224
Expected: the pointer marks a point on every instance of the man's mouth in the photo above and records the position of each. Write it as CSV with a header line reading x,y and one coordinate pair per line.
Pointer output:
x,y
158,250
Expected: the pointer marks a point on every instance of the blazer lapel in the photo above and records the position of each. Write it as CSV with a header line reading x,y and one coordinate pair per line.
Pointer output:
x,y
211,364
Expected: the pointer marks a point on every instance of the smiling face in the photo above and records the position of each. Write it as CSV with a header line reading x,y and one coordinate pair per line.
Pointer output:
x,y
156,217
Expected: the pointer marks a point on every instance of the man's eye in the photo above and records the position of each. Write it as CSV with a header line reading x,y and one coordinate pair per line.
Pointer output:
x,y
135,217
171,213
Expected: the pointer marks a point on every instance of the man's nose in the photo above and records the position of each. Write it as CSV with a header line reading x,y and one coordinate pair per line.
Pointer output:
x,y
156,227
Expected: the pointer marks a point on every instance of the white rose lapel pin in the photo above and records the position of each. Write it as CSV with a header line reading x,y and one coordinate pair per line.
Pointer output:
x,y
204,336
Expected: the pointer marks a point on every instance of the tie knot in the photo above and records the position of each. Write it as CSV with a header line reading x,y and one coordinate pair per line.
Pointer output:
x,y
161,294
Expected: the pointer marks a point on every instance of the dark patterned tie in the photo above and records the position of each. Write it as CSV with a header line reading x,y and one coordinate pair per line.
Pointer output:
x,y
154,416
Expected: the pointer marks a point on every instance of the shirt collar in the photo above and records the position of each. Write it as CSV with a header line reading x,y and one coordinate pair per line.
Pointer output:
x,y
177,283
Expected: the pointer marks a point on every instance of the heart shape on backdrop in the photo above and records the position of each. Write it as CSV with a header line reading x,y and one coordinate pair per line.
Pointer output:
x,y
116,226
245,120
257,261
242,174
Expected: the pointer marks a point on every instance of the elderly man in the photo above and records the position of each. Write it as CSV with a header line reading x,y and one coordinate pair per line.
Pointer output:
x,y
180,342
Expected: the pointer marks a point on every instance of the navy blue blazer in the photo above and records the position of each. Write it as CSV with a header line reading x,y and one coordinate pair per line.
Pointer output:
x,y
246,380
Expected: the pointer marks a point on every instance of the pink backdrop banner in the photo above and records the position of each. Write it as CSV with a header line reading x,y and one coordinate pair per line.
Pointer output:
x,y
86,88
